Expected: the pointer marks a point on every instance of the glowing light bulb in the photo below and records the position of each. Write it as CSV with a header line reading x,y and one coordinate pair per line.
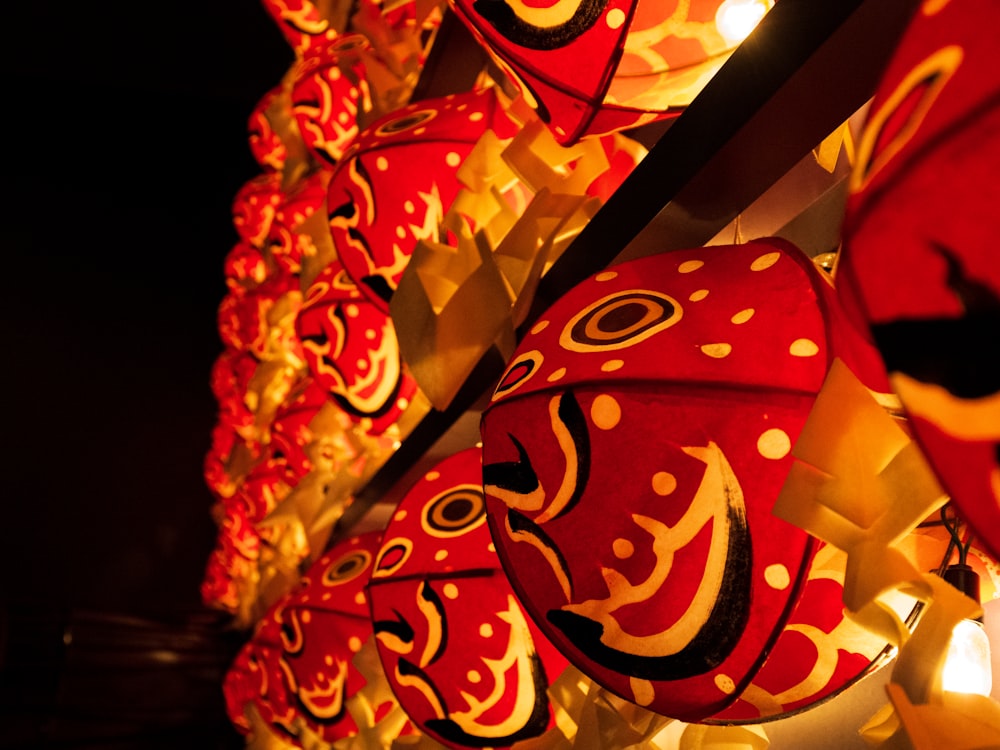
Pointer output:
x,y
967,666
735,19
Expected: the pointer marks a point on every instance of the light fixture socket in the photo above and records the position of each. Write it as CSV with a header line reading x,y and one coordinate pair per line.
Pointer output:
x,y
966,580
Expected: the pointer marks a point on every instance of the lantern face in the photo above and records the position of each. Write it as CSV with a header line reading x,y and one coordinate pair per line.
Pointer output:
x,y
328,93
303,24
230,378
287,240
307,640
291,432
632,453
243,316
255,678
261,489
919,206
463,659
232,564
217,479
244,267
394,184
241,683
595,66
351,350
254,206
266,145
239,322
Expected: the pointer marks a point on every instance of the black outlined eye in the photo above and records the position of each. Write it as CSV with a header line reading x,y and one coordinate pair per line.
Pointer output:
x,y
391,557
347,568
542,28
406,122
520,371
619,321
454,512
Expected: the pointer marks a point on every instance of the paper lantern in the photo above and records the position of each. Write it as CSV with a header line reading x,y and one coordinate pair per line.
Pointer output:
x,y
304,24
254,206
597,66
242,682
244,267
306,643
245,318
463,659
214,470
291,237
351,351
918,266
262,489
254,682
291,432
632,452
393,185
329,91
230,378
231,568
266,144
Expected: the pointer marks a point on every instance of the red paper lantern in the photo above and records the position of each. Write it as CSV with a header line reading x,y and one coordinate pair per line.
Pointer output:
x,y
265,141
254,206
254,679
230,377
918,266
394,184
244,267
596,66
262,489
302,23
242,683
232,564
304,645
351,350
214,471
243,315
288,241
463,659
290,431
329,91
632,452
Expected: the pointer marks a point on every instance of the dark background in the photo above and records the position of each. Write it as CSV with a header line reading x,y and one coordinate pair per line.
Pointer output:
x,y
124,143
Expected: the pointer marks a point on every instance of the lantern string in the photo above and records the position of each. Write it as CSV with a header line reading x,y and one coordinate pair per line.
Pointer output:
x,y
952,524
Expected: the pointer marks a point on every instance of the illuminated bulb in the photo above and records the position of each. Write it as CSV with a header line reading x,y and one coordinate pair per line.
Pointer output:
x,y
967,666
735,19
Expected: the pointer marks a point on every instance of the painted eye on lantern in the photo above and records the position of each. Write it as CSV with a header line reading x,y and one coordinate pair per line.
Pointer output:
x,y
315,293
520,371
455,512
343,281
541,26
619,321
347,568
890,127
391,557
406,122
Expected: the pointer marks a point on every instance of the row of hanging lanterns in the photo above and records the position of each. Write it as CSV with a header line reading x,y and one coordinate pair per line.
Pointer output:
x,y
538,590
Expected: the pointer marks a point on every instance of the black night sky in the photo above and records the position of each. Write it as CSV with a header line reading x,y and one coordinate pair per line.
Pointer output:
x,y
124,144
